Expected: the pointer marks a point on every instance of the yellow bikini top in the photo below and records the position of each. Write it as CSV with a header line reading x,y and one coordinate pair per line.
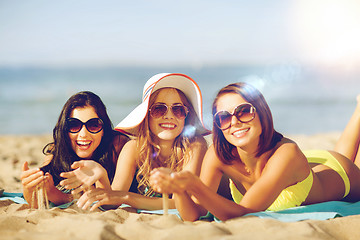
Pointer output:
x,y
291,196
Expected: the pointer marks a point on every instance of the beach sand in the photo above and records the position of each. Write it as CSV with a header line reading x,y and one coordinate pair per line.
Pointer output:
x,y
17,221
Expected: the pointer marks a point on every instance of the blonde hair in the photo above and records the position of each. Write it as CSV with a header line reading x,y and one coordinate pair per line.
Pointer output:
x,y
149,151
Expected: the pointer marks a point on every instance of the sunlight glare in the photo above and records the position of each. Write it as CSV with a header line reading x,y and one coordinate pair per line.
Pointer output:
x,y
328,31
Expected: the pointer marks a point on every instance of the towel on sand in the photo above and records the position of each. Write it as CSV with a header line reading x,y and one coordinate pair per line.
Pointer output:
x,y
319,211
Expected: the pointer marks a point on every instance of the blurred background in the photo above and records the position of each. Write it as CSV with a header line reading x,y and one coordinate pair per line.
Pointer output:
x,y
303,55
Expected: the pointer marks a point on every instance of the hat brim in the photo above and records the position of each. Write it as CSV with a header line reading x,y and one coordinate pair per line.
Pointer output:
x,y
188,86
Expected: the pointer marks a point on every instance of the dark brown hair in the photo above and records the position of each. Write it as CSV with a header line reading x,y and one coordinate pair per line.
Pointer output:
x,y
61,149
268,138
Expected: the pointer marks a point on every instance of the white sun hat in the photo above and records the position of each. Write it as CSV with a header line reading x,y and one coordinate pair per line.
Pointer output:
x,y
188,86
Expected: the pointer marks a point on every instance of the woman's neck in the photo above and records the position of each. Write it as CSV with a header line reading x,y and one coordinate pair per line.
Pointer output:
x,y
252,163
249,159
166,149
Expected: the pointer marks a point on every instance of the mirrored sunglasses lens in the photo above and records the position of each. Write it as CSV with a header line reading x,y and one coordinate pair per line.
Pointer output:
x,y
223,120
74,125
179,111
158,110
94,125
244,113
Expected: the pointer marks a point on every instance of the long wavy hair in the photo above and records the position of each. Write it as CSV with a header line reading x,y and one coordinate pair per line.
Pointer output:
x,y
149,151
61,149
268,138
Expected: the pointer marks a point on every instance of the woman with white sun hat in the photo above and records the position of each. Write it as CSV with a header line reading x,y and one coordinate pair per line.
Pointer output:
x,y
185,84
168,130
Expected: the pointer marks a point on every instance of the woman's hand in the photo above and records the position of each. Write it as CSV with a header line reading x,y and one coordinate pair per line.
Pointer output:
x,y
162,180
30,178
86,173
99,197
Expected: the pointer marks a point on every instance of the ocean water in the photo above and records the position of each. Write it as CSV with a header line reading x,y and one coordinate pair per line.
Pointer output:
x,y
303,100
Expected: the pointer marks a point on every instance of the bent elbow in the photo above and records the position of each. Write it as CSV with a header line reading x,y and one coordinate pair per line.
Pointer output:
x,y
225,217
230,215
189,219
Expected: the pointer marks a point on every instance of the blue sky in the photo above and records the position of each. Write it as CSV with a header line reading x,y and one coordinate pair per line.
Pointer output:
x,y
191,32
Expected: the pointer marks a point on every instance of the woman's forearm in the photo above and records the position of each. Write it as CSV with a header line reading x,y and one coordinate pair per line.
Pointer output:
x,y
54,195
104,182
221,207
28,196
139,201
188,209
57,197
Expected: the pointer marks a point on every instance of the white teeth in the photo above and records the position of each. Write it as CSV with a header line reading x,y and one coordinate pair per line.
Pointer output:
x,y
83,143
240,132
167,125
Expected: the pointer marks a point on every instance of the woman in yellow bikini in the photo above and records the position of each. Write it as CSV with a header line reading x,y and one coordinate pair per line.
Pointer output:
x,y
266,170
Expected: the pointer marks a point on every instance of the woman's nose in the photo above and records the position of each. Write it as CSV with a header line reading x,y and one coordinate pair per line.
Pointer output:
x,y
234,120
168,114
83,131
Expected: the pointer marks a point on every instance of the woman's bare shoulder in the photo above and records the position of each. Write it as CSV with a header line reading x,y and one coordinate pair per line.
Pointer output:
x,y
130,145
288,154
129,153
212,158
287,146
199,142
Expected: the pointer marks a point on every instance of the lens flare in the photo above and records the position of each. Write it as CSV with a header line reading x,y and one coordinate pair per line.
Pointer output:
x,y
327,32
189,131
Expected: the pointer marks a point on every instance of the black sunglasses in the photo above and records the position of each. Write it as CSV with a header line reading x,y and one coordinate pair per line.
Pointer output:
x,y
93,125
160,109
244,113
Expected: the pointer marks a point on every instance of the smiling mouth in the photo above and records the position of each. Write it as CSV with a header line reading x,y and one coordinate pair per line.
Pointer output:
x,y
241,132
168,125
83,144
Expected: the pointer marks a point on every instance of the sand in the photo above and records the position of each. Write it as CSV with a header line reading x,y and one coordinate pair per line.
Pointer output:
x,y
17,221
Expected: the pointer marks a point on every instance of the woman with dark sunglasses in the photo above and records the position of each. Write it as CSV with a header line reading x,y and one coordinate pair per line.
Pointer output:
x,y
167,132
266,170
83,131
